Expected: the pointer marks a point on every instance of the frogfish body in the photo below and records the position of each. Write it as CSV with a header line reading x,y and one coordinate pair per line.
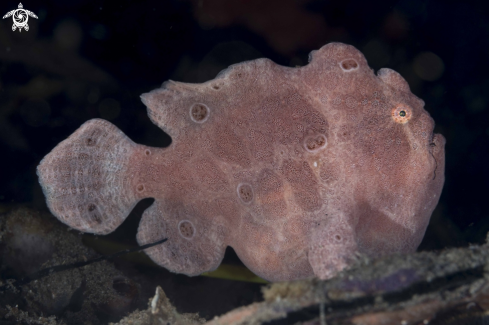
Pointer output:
x,y
299,170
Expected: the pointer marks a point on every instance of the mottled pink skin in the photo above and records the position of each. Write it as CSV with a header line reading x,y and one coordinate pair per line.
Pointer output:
x,y
300,170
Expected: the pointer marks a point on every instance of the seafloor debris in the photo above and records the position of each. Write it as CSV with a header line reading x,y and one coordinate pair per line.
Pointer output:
x,y
161,311
96,293
420,288
446,287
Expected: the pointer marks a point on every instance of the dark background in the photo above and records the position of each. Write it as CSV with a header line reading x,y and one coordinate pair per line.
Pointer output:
x,y
89,59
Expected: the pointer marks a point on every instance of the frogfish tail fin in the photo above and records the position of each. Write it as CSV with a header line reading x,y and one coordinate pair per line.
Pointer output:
x,y
85,178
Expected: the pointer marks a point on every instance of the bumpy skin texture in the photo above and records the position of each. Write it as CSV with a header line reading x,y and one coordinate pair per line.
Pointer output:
x,y
300,170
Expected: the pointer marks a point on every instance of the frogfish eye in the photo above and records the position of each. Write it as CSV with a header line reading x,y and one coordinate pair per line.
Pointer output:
x,y
401,114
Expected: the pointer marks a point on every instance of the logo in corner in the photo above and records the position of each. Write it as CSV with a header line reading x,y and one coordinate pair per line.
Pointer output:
x,y
20,17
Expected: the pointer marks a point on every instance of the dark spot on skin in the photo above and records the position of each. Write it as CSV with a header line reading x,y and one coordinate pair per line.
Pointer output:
x,y
245,193
337,237
93,214
315,142
90,142
147,152
216,87
140,188
186,229
96,218
199,113
349,64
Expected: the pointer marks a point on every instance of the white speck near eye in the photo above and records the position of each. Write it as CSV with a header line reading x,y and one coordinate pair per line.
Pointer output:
x,y
315,164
